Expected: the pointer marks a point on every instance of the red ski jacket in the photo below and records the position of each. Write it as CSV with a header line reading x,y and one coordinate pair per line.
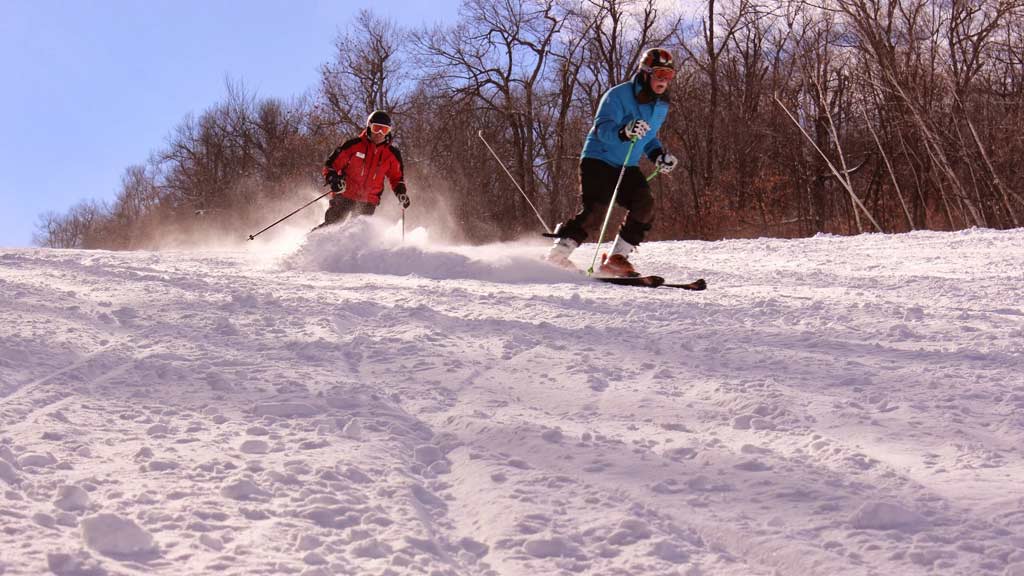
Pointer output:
x,y
364,165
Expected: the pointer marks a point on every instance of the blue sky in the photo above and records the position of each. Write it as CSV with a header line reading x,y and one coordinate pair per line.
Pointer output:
x,y
90,87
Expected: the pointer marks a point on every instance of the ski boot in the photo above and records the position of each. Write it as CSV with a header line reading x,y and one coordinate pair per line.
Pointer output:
x,y
616,266
559,253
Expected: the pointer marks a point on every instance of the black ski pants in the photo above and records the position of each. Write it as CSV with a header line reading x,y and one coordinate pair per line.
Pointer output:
x,y
597,184
340,207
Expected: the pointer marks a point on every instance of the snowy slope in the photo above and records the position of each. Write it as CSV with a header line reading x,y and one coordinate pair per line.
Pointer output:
x,y
829,406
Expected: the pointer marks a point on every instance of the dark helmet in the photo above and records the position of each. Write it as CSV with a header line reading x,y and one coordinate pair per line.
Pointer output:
x,y
380,118
656,58
655,63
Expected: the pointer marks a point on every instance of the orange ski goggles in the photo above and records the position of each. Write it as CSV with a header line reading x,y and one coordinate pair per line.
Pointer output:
x,y
382,129
663,73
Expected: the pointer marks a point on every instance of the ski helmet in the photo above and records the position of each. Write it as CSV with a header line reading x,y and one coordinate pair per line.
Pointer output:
x,y
657,61
379,121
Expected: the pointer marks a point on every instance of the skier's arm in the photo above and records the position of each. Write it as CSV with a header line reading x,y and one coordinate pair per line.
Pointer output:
x,y
656,153
338,160
653,149
610,117
396,177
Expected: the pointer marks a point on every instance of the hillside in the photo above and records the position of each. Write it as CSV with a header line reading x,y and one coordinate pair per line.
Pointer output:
x,y
831,405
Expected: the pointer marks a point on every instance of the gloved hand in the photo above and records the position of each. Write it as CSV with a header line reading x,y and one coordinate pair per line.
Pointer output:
x,y
665,162
335,181
634,129
403,199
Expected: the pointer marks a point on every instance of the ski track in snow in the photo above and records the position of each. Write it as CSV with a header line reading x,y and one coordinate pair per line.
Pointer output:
x,y
832,405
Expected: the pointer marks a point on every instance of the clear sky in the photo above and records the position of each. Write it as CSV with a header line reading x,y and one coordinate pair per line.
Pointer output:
x,y
90,87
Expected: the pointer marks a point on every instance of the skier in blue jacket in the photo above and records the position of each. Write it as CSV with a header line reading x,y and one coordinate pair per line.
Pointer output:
x,y
631,111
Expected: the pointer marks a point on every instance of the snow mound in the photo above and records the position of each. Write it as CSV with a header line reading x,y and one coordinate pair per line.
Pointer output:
x,y
886,516
71,498
8,474
554,547
79,563
370,246
243,489
112,535
34,460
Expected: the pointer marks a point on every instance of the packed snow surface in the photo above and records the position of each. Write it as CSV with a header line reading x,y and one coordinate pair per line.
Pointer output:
x,y
356,403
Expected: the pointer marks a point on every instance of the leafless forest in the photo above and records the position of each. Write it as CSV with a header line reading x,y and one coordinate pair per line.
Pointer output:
x,y
790,118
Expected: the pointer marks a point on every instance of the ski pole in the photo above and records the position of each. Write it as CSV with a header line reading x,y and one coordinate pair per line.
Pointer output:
x,y
480,133
611,205
403,224
653,174
253,236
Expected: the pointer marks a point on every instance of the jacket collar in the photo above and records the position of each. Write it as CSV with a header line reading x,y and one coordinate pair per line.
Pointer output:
x,y
644,94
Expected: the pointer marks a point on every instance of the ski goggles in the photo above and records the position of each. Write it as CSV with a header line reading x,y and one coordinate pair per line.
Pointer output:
x,y
382,129
663,73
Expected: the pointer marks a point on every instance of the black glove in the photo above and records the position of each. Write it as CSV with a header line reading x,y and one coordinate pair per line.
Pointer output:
x,y
403,199
335,181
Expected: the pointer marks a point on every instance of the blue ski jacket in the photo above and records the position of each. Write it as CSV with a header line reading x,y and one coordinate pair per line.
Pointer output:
x,y
618,106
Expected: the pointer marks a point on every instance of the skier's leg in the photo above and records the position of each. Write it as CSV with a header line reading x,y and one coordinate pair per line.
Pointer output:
x,y
364,209
597,182
338,208
635,196
578,227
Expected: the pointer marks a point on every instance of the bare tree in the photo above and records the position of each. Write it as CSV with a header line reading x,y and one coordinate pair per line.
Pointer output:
x,y
716,35
366,74
76,229
496,66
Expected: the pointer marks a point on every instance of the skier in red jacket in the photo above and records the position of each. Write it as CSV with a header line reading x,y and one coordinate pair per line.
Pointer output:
x,y
356,170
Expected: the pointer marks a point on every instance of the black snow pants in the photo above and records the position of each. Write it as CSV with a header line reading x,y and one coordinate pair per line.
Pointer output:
x,y
340,207
597,183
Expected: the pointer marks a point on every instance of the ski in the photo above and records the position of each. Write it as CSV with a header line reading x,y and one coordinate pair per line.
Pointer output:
x,y
647,281
652,281
698,284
